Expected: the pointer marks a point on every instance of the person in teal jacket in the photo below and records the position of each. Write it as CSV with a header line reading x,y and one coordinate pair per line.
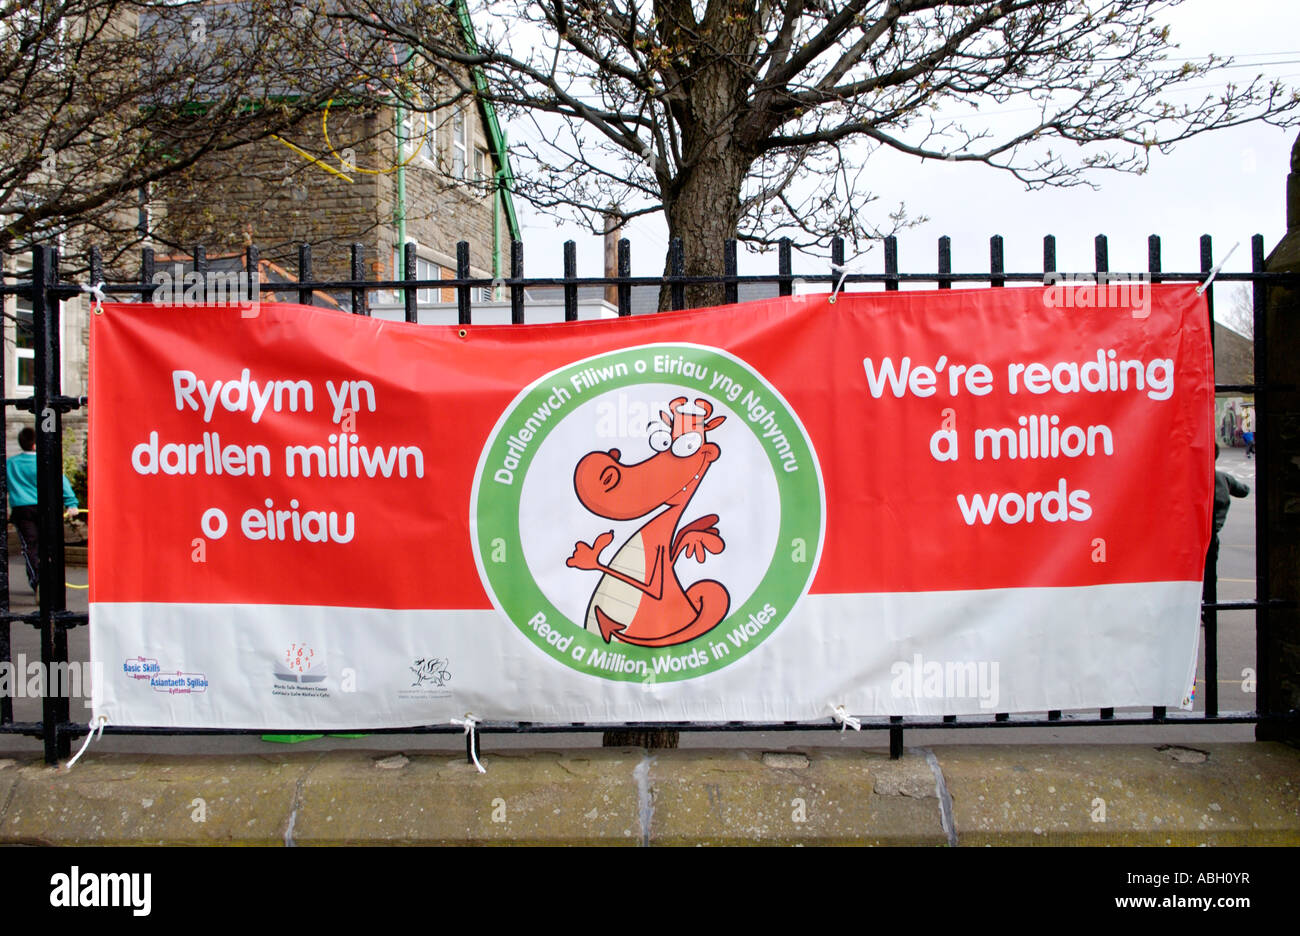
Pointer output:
x,y
21,474
1226,487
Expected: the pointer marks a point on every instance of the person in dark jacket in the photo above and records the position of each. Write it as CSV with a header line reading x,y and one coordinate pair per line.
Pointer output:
x,y
21,474
1226,487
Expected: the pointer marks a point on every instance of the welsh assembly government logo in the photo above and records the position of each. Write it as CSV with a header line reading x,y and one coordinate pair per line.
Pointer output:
x,y
649,514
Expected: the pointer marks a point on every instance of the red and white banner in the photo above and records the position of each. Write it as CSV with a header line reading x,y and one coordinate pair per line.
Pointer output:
x,y
949,502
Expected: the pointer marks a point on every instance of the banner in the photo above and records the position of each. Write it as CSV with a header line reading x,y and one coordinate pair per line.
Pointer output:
x,y
908,503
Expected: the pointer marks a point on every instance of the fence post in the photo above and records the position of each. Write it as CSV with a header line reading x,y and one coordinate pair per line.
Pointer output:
x,y
516,290
730,289
201,268
462,291
895,737
146,270
945,261
570,274
410,295
624,271
1154,267
6,699
359,304
1277,504
1263,589
253,274
1049,266
676,268
49,494
304,273
997,266
1211,615
1101,254
891,263
95,261
784,268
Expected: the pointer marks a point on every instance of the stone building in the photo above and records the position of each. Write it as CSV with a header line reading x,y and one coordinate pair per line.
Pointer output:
x,y
379,175
379,178
1234,364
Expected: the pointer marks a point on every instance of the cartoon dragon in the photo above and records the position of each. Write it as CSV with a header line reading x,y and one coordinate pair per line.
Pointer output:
x,y
639,598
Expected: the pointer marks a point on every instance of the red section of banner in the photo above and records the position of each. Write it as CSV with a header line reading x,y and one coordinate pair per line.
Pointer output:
x,y
901,516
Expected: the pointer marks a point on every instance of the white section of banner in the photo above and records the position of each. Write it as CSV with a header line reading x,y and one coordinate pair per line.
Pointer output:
x,y
279,667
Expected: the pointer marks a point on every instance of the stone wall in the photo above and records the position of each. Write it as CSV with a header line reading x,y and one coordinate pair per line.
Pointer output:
x,y
1278,427
275,197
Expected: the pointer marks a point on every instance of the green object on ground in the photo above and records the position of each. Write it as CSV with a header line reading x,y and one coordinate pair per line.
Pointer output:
x,y
295,738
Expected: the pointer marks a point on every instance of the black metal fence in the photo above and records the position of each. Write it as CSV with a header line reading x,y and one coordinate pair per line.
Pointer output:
x,y
45,290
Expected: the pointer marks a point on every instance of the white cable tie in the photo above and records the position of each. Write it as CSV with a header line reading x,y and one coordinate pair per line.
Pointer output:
x,y
96,292
841,715
843,270
470,724
1200,290
93,733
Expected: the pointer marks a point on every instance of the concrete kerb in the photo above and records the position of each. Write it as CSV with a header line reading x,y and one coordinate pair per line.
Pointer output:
x,y
1218,794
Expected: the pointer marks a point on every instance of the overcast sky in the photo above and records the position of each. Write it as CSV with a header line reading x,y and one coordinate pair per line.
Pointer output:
x,y
1229,184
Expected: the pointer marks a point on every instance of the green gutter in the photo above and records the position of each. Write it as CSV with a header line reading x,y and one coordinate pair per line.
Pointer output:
x,y
504,175
399,211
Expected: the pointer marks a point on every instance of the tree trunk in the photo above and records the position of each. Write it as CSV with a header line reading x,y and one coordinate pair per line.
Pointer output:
x,y
704,211
656,738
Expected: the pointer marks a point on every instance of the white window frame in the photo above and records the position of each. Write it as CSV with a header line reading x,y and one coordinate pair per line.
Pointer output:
x,y
23,270
426,142
460,148
25,16
427,270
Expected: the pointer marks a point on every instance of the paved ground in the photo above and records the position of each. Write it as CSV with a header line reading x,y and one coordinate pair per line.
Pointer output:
x,y
1061,794
1236,655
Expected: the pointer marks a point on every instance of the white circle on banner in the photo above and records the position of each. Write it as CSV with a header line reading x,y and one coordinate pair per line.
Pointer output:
x,y
740,487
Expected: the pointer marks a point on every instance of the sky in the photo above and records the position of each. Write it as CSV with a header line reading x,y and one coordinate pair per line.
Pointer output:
x,y
1229,184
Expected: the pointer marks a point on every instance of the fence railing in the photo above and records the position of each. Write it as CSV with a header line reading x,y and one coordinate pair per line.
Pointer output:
x,y
46,291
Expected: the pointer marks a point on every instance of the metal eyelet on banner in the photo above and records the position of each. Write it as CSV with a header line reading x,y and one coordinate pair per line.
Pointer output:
x,y
96,292
462,333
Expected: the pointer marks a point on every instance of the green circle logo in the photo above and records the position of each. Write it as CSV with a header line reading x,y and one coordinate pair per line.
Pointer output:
x,y
649,514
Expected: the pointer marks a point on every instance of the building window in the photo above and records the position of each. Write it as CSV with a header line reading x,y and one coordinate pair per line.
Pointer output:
x,y
419,137
480,164
25,24
22,350
459,144
427,270
429,143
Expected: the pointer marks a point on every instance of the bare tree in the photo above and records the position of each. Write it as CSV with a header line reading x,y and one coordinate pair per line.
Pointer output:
x,y
757,118
100,99
1235,308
